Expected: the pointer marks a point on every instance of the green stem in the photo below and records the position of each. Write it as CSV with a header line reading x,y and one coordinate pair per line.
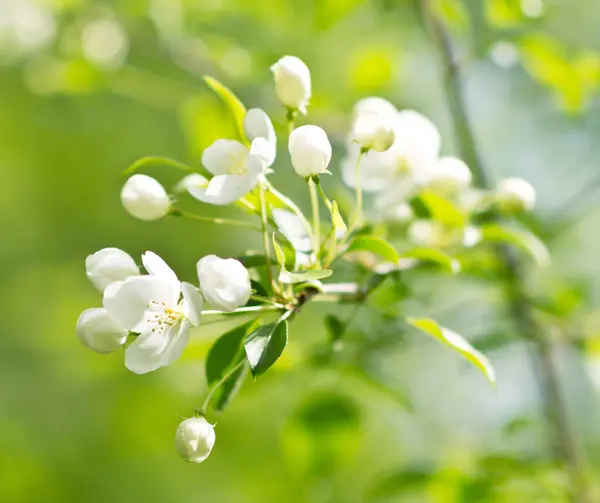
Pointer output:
x,y
222,221
358,213
314,202
218,384
265,236
249,309
260,298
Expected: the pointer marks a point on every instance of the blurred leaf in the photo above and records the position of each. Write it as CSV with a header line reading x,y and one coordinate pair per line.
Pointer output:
x,y
374,245
224,352
160,161
265,345
456,342
279,254
314,284
252,261
442,209
336,218
288,277
403,480
433,255
524,240
326,412
236,107
335,327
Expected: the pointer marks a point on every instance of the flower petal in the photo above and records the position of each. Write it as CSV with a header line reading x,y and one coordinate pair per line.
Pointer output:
x,y
257,124
262,156
193,302
226,189
156,266
191,181
146,353
127,301
224,157
179,337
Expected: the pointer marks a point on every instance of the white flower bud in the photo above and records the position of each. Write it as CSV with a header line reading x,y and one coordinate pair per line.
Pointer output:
x,y
449,176
109,265
145,198
375,105
310,150
195,439
97,331
292,82
515,194
427,233
225,283
373,131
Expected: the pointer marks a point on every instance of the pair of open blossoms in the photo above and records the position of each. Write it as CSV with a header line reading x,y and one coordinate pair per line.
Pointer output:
x,y
155,308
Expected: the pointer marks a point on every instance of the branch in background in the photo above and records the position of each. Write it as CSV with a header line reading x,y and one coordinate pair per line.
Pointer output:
x,y
520,305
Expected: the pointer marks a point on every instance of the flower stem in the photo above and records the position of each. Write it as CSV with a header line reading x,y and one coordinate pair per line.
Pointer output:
x,y
314,201
218,384
248,309
222,221
358,213
260,298
265,236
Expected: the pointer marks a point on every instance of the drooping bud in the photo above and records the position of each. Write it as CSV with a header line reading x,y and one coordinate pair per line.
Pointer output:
x,y
292,82
310,150
144,198
195,439
97,331
109,265
449,176
225,283
374,131
515,194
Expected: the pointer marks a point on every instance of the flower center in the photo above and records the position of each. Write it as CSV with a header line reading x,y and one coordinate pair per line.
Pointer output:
x,y
161,315
239,166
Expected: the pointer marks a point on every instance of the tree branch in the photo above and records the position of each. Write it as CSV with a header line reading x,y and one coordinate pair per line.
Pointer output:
x,y
520,305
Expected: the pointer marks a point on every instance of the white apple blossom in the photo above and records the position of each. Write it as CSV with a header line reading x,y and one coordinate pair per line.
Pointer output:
x,y
310,150
236,168
225,283
515,194
109,265
373,132
97,331
195,439
157,307
375,105
145,198
449,176
292,82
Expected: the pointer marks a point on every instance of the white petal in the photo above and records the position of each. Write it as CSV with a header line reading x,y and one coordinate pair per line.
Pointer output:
x,y
258,125
158,267
191,181
226,189
99,332
193,302
178,340
127,301
109,265
146,353
264,152
224,157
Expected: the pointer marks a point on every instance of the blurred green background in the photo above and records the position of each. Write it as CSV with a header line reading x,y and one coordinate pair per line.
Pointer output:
x,y
88,87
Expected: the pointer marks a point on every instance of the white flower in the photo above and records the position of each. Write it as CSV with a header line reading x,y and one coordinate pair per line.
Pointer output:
x,y
152,306
449,176
427,233
375,105
310,150
109,265
372,131
225,283
292,82
195,439
515,194
97,331
145,198
237,168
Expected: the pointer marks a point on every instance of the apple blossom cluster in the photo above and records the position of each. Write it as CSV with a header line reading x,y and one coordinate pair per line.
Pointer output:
x,y
394,155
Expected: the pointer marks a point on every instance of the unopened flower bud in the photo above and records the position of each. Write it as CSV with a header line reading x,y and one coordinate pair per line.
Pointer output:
x,y
97,331
310,150
195,439
225,283
373,131
449,176
144,198
292,82
515,194
109,265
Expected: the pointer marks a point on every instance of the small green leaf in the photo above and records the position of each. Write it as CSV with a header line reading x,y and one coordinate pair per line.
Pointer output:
x,y
236,107
314,284
252,261
433,255
456,342
265,345
335,327
443,210
524,240
288,277
224,352
375,245
279,253
158,161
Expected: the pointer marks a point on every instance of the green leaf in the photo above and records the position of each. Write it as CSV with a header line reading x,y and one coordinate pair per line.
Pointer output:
x,y
336,218
265,345
375,245
443,210
158,161
335,327
236,107
314,284
433,255
288,277
456,342
279,253
224,353
252,261
400,482
524,240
